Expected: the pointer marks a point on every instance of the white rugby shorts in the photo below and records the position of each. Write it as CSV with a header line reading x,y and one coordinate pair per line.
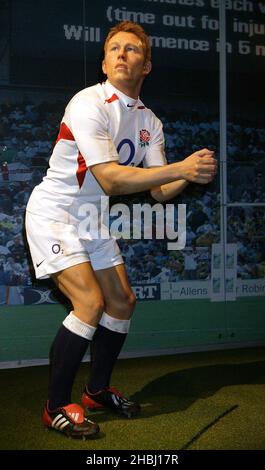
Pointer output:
x,y
55,246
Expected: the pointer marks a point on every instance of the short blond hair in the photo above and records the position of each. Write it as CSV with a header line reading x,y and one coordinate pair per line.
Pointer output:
x,y
135,28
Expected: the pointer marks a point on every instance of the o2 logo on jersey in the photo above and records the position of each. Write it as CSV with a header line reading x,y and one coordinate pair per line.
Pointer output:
x,y
129,146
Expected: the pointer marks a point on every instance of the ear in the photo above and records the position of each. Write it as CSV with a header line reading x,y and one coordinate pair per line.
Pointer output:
x,y
104,67
147,67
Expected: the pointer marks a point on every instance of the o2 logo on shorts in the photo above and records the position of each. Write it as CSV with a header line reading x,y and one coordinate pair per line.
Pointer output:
x,y
56,248
129,143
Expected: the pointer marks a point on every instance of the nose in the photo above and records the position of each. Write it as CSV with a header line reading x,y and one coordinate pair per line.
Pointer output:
x,y
122,53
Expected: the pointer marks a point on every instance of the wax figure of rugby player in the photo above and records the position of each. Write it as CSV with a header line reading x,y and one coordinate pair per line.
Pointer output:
x,y
103,125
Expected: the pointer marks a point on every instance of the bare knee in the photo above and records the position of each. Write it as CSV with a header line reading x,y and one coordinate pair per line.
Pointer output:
x,y
122,307
79,284
89,309
129,303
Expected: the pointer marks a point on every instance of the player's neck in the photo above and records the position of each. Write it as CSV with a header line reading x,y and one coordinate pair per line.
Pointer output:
x,y
129,90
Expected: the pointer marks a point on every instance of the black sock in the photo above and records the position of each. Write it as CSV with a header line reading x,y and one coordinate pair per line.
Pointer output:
x,y
105,348
66,354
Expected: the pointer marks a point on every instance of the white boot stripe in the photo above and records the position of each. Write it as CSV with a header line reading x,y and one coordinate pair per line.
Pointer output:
x,y
114,398
61,421
56,419
64,424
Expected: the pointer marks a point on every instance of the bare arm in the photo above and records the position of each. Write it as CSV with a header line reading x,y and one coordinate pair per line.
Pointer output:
x,y
169,190
116,179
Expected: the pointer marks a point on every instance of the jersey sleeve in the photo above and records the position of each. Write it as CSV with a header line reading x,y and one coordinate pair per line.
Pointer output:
x,y
155,152
89,125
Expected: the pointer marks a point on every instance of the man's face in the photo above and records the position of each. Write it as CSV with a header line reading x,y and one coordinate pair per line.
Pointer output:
x,y
124,61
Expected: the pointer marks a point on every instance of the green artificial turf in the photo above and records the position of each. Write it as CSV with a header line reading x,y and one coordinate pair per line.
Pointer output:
x,y
209,400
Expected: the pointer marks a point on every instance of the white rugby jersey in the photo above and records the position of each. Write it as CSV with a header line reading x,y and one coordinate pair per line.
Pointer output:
x,y
101,124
